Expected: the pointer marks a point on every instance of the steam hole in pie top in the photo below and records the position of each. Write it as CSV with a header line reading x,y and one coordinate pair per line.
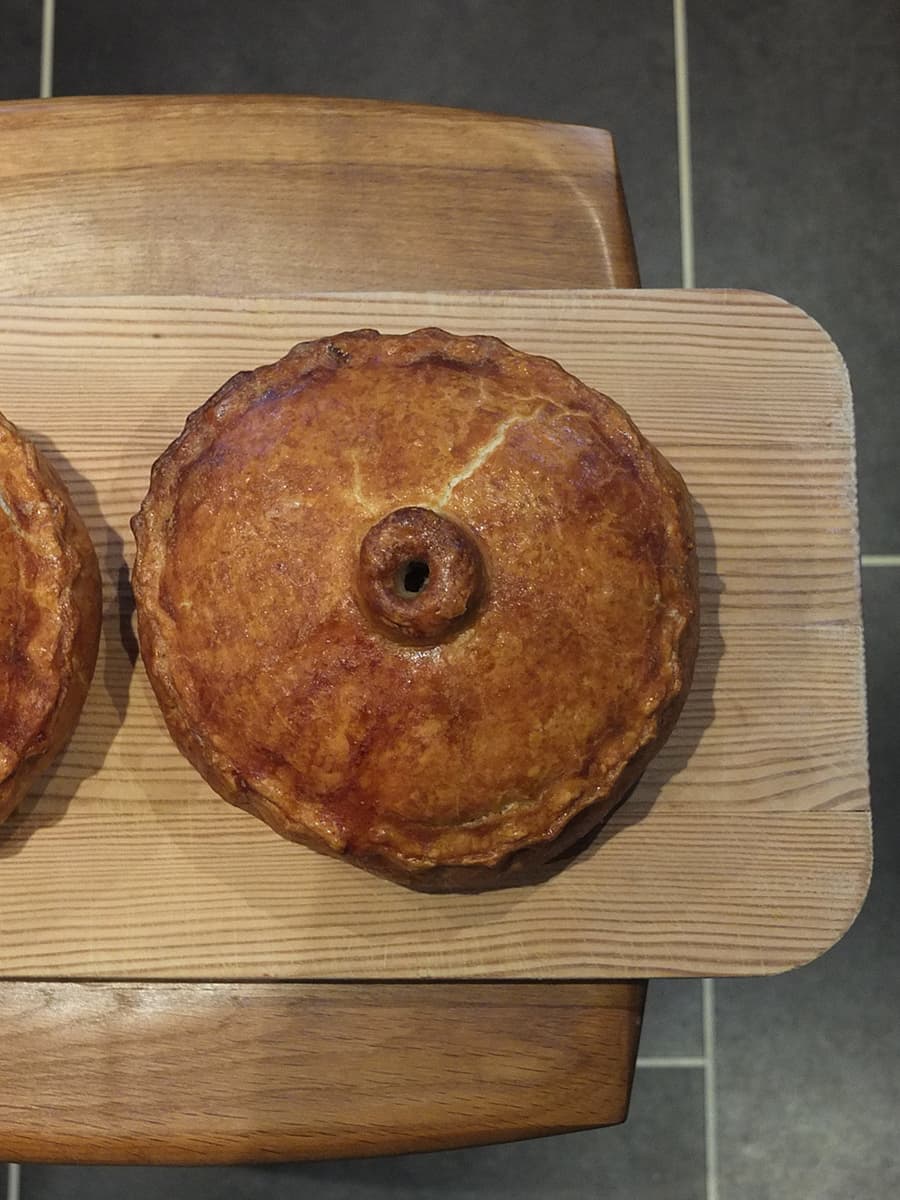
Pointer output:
x,y
414,576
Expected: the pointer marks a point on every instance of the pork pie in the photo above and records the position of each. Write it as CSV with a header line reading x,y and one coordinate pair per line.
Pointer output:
x,y
422,602
50,607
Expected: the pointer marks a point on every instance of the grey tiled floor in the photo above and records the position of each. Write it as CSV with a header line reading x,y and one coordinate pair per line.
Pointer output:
x,y
795,107
672,1020
20,48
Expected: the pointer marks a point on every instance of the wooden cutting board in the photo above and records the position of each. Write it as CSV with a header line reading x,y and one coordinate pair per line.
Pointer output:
x,y
745,850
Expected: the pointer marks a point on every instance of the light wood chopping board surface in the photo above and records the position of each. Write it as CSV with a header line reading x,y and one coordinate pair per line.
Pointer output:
x,y
745,850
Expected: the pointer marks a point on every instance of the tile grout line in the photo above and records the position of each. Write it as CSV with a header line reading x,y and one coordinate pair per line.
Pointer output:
x,y
688,280
48,20
880,560
709,1091
688,1063
683,125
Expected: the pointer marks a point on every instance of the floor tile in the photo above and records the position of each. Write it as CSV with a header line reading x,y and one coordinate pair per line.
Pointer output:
x,y
673,1019
657,1155
591,62
809,1062
797,185
20,49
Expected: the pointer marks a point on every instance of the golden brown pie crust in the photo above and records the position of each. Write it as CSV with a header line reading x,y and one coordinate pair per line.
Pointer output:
x,y
50,609
423,602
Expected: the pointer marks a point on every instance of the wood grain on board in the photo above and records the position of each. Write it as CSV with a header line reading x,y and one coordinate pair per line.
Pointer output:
x,y
746,848
271,195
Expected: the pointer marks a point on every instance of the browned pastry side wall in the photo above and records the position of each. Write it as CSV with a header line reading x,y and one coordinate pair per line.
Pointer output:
x,y
50,609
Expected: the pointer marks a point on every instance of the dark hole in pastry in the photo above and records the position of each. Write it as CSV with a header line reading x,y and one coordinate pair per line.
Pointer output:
x,y
414,577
